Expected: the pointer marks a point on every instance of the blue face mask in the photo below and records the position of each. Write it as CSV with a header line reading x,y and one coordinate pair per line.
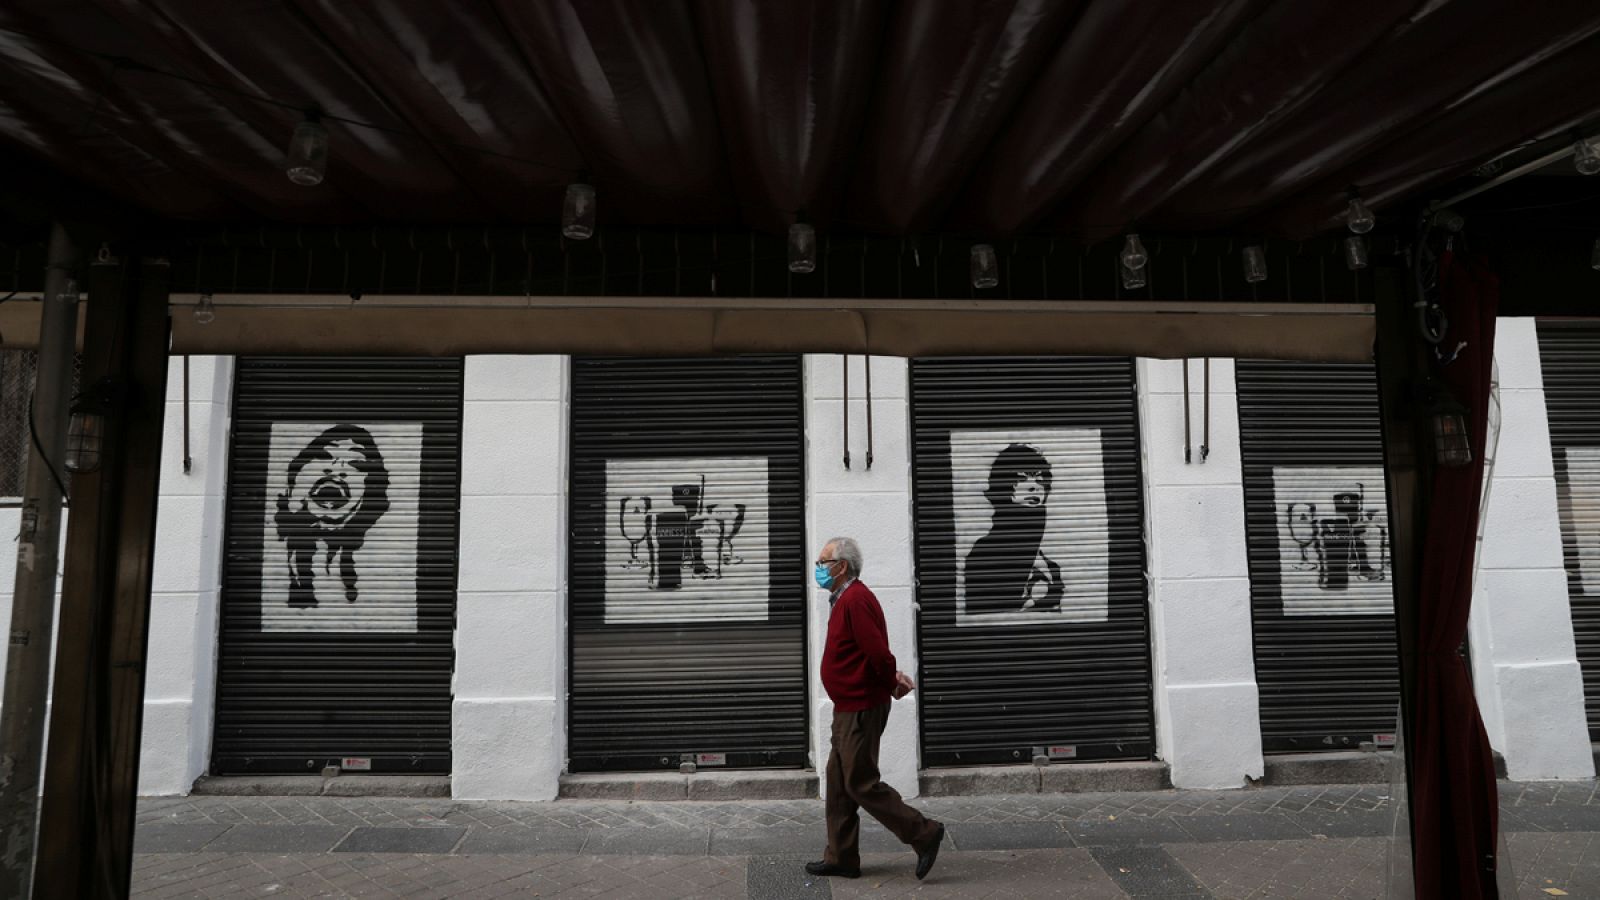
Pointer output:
x,y
823,576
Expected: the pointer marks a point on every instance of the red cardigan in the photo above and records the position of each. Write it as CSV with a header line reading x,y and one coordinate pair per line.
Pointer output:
x,y
857,668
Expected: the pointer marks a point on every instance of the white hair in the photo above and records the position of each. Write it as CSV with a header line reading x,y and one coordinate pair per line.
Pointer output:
x,y
848,550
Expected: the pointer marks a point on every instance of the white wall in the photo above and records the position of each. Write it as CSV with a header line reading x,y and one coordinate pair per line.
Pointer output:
x,y
1208,726
509,719
11,524
1525,666
180,680
874,507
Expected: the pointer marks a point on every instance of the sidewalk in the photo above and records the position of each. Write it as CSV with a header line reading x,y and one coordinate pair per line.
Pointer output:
x,y
1269,842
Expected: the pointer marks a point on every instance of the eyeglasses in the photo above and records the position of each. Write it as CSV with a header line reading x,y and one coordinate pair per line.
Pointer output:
x,y
827,562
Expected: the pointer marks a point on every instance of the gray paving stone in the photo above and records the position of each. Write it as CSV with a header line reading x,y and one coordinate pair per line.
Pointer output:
x,y
782,878
1008,836
174,838
1551,818
1125,832
786,841
874,839
522,840
1242,827
1317,869
1148,872
1354,824
279,839
659,841
366,839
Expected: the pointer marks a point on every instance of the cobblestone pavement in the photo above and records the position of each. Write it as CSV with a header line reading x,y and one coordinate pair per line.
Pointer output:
x,y
1306,842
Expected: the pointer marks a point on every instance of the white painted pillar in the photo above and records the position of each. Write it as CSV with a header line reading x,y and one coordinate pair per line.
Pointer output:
x,y
1208,720
509,715
180,691
1525,666
874,507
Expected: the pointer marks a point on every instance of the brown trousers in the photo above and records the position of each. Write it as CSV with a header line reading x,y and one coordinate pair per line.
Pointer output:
x,y
854,785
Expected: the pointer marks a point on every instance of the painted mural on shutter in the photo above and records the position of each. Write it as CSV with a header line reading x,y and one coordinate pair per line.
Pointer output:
x,y
689,542
1333,540
340,543
1030,526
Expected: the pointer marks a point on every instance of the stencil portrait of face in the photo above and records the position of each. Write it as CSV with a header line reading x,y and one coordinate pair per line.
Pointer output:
x,y
337,490
1006,569
1032,489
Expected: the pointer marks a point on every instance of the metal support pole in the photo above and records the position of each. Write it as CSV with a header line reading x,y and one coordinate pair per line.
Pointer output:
x,y
188,461
1400,359
91,773
846,359
1188,444
868,359
33,605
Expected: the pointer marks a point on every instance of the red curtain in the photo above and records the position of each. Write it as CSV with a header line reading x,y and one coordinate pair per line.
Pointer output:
x,y
1454,803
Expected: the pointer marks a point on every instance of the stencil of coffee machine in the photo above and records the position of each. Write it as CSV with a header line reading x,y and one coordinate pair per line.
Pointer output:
x,y
1338,542
691,537
638,528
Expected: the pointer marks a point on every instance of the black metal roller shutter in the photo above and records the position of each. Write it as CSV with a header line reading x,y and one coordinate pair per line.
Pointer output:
x,y
1316,524
1033,626
1570,356
688,564
339,586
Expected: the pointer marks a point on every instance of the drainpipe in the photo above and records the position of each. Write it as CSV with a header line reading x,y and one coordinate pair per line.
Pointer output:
x,y
22,715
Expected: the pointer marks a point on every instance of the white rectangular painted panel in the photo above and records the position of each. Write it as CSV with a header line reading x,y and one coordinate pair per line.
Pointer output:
x,y
1578,501
1333,540
1031,529
341,511
687,540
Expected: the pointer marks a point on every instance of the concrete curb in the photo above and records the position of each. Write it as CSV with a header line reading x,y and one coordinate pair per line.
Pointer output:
x,y
1075,778
1344,767
756,785
399,786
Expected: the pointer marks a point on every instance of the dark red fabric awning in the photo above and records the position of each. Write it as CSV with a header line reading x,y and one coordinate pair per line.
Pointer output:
x,y
957,116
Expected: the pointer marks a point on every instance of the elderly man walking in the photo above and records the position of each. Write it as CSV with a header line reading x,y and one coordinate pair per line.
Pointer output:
x,y
859,674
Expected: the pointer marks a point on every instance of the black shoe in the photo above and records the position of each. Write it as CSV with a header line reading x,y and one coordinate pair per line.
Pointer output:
x,y
927,855
823,869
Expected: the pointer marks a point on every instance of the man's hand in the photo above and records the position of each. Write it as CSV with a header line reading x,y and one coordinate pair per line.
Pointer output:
x,y
903,685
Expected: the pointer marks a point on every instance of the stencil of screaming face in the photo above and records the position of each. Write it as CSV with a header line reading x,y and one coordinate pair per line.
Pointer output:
x,y
1006,571
338,488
